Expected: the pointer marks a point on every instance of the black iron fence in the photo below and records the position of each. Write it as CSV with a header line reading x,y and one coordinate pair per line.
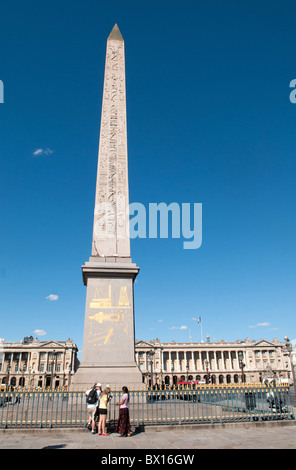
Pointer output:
x,y
207,404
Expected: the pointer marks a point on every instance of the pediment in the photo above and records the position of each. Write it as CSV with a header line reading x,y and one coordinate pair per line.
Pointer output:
x,y
143,344
51,344
263,343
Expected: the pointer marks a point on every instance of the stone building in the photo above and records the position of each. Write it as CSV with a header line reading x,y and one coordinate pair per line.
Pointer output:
x,y
34,363
218,362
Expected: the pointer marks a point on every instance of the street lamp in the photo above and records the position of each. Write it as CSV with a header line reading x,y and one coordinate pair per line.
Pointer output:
x,y
242,365
8,371
23,375
206,363
288,345
53,364
150,357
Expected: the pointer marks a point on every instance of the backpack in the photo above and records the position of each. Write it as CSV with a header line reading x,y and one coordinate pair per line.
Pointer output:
x,y
92,397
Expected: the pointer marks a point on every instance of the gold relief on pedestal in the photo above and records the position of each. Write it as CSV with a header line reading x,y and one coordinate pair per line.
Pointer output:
x,y
108,317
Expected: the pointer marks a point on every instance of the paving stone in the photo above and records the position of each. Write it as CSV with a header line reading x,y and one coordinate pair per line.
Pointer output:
x,y
265,436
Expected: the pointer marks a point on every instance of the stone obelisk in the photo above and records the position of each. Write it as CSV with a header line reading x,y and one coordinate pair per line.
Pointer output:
x,y
108,354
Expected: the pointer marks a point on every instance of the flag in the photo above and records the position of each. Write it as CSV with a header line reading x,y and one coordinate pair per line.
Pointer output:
x,y
199,320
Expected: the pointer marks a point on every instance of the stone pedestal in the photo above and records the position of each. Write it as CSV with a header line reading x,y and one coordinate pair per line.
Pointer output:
x,y
108,354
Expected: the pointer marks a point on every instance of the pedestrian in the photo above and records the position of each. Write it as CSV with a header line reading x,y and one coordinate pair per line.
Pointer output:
x,y
103,402
123,423
92,400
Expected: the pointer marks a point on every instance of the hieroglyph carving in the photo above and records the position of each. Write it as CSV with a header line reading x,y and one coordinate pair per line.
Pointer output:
x,y
111,205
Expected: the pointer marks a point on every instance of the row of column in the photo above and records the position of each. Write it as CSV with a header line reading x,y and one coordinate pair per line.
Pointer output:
x,y
20,362
196,361
24,362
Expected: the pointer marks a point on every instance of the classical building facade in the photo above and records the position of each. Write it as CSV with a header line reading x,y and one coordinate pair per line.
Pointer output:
x,y
34,363
217,362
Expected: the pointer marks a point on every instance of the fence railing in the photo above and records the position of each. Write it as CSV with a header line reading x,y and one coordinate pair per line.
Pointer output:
x,y
65,409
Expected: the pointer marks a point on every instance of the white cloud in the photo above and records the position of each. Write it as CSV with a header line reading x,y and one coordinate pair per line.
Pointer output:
x,y
40,333
160,321
183,327
46,151
52,297
260,324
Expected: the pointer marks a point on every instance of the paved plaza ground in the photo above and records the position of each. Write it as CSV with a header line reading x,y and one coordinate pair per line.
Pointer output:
x,y
265,435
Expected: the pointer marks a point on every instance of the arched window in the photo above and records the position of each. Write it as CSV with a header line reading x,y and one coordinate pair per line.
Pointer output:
x,y
13,381
22,382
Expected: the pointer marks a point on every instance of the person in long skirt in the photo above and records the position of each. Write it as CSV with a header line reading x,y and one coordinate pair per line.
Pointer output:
x,y
123,423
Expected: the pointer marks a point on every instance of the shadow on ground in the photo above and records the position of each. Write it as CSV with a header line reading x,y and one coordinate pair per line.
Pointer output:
x,y
60,446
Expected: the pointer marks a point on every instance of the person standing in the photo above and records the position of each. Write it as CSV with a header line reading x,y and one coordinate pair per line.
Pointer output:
x,y
103,402
123,423
92,400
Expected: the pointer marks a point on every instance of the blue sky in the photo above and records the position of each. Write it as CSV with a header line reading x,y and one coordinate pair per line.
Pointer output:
x,y
209,121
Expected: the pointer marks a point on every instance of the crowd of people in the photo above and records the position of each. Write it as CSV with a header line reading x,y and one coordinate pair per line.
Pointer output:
x,y
97,406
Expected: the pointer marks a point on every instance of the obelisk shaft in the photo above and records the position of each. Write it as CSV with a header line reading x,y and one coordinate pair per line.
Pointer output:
x,y
111,219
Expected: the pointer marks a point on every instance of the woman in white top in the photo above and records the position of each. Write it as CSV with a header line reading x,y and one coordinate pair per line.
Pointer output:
x,y
123,424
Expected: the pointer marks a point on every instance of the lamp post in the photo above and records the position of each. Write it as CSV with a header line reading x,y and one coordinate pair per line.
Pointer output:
x,y
23,375
288,345
161,378
8,371
172,370
150,356
53,364
206,363
242,365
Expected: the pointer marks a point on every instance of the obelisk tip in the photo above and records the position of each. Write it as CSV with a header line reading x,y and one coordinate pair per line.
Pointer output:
x,y
115,33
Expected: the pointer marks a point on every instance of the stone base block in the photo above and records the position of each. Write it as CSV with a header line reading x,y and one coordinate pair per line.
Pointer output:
x,y
114,376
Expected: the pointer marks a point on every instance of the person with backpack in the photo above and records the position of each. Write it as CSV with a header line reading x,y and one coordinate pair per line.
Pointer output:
x,y
92,400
